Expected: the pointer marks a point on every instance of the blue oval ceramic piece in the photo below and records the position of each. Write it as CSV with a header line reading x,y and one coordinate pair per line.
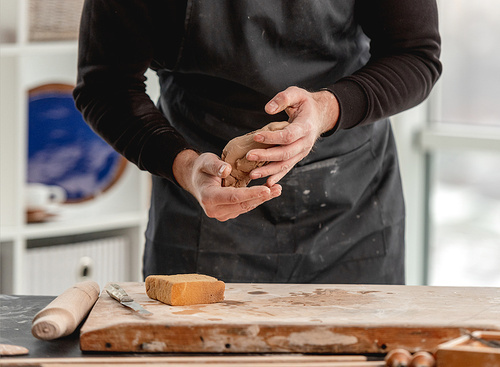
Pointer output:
x,y
63,150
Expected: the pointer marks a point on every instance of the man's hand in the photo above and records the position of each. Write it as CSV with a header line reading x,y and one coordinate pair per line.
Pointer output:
x,y
310,115
202,175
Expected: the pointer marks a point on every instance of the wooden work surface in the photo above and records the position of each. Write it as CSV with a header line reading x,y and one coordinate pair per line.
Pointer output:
x,y
303,318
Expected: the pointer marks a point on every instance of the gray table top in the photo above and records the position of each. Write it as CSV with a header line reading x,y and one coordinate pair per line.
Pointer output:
x,y
16,315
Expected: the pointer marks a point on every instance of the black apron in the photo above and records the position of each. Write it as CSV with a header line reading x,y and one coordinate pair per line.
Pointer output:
x,y
340,218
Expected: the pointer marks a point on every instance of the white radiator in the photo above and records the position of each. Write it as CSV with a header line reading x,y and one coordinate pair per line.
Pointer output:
x,y
53,269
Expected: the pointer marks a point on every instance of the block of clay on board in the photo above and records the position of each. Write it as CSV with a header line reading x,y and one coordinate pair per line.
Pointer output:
x,y
185,289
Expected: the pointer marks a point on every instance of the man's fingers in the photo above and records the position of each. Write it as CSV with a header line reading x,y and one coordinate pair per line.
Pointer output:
x,y
279,137
288,135
232,195
223,203
274,179
278,153
277,104
236,201
214,166
249,205
277,169
283,100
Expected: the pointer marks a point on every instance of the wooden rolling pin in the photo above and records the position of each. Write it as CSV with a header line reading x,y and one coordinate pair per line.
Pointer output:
x,y
63,315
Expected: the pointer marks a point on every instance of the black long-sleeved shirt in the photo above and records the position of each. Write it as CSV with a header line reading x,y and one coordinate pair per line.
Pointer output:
x,y
120,40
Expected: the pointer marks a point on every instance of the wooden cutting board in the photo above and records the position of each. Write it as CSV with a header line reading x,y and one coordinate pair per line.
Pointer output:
x,y
302,318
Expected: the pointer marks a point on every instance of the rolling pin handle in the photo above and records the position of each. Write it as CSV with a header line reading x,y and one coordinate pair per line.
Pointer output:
x,y
422,359
398,358
54,324
62,316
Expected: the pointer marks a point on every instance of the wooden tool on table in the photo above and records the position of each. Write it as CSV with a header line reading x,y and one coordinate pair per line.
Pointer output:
x,y
276,360
398,358
118,293
476,348
485,342
422,359
402,358
63,315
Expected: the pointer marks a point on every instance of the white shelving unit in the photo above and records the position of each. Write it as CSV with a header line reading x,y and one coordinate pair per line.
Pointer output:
x,y
121,210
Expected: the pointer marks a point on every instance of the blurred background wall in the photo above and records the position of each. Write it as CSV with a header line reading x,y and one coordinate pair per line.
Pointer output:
x,y
449,150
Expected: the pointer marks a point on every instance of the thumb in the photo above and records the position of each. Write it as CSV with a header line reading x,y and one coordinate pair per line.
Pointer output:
x,y
272,107
277,104
214,166
223,170
284,100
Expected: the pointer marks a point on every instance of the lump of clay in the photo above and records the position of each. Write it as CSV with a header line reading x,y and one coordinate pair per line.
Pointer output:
x,y
185,289
235,154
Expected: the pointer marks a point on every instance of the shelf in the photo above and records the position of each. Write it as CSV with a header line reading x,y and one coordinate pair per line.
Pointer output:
x,y
77,225
67,226
119,210
8,234
38,48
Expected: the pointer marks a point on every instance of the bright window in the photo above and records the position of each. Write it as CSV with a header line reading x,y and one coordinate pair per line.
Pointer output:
x,y
464,209
470,83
